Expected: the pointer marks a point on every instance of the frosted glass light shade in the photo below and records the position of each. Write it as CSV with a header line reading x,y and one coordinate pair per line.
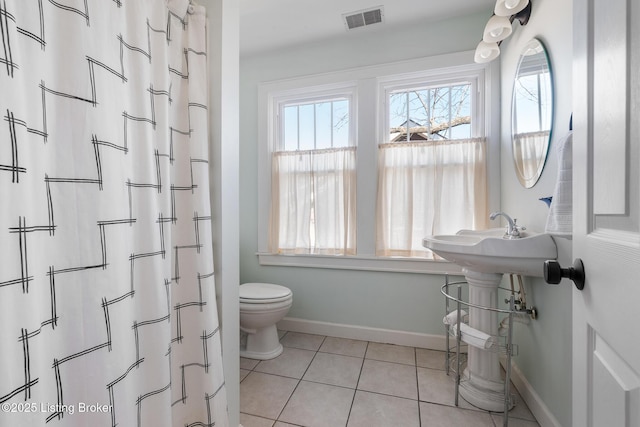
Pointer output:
x,y
509,7
498,28
486,52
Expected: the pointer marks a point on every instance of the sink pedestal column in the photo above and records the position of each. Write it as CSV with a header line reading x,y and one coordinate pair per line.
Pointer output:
x,y
483,385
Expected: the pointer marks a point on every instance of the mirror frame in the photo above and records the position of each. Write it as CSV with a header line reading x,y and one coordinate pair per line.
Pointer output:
x,y
530,181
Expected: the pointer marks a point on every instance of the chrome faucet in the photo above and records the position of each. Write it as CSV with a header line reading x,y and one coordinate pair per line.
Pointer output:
x,y
513,231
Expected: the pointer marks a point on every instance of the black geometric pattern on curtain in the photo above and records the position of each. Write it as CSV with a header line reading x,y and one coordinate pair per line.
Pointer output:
x,y
108,313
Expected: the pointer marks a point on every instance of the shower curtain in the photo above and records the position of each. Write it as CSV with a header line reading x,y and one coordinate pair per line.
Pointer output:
x,y
107,297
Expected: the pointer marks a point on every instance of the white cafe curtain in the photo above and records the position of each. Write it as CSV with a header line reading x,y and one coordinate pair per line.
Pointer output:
x,y
426,188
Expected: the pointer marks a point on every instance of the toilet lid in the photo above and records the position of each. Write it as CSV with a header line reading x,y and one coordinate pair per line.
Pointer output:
x,y
263,292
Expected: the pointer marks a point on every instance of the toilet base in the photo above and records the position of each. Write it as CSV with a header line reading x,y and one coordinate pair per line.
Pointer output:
x,y
263,345
260,355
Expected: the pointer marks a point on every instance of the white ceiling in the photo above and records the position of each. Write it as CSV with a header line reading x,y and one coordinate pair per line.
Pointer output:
x,y
274,24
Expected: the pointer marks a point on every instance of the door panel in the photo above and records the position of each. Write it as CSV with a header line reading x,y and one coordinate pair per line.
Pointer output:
x,y
616,387
606,339
610,107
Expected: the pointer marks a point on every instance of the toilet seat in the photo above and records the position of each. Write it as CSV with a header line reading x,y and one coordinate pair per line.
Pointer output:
x,y
263,293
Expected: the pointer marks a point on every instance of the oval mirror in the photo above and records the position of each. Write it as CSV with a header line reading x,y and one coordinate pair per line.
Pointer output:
x,y
531,113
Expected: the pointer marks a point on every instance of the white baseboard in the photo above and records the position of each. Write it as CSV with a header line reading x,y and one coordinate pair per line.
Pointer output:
x,y
387,336
537,407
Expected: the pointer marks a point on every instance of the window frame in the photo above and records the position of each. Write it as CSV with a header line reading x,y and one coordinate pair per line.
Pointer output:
x,y
397,84
369,124
329,96
389,88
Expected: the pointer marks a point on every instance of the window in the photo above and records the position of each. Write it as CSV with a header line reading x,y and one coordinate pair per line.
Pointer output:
x,y
315,126
531,117
420,135
437,113
313,180
431,166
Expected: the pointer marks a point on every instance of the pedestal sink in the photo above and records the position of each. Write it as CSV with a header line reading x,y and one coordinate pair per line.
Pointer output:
x,y
484,257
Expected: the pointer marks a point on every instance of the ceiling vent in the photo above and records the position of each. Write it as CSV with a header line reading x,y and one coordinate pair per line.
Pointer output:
x,y
363,18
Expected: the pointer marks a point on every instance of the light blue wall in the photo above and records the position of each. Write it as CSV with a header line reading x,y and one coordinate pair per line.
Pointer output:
x,y
545,345
397,301
412,302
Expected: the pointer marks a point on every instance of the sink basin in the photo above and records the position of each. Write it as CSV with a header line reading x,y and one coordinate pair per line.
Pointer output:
x,y
485,256
486,251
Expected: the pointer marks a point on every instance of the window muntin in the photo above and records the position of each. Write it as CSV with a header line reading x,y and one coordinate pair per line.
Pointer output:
x,y
313,192
367,88
430,113
315,125
431,164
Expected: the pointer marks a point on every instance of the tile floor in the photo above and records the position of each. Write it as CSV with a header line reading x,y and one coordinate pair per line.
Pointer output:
x,y
321,381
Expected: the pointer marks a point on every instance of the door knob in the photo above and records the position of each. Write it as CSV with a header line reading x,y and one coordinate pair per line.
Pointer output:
x,y
553,273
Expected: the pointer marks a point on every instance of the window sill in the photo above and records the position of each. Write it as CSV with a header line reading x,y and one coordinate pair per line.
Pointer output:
x,y
367,263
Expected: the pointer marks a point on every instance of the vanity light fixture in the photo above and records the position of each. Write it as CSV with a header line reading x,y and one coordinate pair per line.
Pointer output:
x,y
499,27
486,52
509,7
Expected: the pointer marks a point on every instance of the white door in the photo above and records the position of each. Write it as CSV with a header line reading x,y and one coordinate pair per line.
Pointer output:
x,y
606,161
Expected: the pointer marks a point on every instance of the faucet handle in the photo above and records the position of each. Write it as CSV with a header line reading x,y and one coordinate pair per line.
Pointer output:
x,y
515,232
517,226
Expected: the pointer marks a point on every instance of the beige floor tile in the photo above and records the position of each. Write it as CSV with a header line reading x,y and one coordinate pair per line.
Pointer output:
x,y
377,410
318,405
252,421
435,386
344,346
265,395
303,341
248,364
447,416
391,353
388,378
432,359
334,369
293,362
396,386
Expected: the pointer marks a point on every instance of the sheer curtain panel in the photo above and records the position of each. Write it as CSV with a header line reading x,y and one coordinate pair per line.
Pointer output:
x,y
313,200
107,299
528,150
428,187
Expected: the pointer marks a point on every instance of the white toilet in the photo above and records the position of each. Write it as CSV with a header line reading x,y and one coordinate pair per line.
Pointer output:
x,y
262,305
